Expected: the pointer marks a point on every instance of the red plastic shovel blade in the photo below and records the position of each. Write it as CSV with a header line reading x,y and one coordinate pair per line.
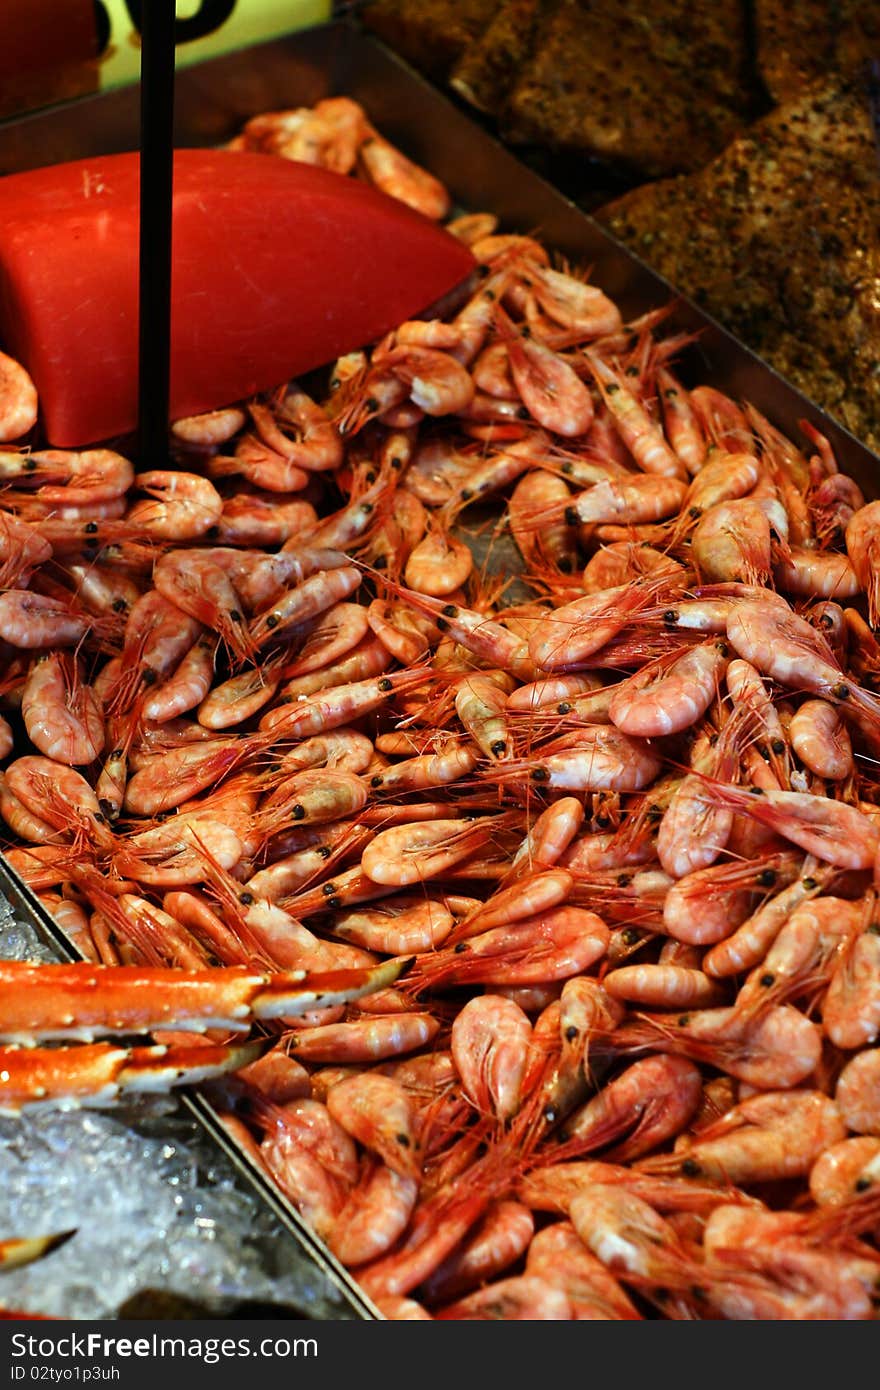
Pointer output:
x,y
279,268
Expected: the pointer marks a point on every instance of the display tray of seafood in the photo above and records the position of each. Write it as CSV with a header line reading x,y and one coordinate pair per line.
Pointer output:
x,y
460,763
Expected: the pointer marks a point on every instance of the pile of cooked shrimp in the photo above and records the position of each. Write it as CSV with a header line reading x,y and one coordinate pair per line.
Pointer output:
x,y
616,813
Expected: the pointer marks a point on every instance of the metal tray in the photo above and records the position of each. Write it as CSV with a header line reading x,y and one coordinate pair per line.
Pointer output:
x,y
213,100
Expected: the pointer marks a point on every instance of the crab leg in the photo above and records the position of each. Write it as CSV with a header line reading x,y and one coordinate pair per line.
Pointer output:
x,y
24,1250
82,1001
96,1073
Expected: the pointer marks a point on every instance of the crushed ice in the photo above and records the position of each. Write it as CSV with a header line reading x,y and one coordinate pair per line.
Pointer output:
x,y
154,1202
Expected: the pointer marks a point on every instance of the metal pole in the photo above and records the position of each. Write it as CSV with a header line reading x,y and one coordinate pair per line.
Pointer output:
x,y
156,186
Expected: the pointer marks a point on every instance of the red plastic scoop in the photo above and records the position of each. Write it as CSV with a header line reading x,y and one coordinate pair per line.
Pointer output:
x,y
279,268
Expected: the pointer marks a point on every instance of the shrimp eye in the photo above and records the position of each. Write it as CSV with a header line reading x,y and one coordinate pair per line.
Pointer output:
x,y
694,512
874,929
329,889
624,880
372,403
298,812
571,1033
602,821
567,469
462,946
273,620
722,648
402,1139
396,462
381,562
671,615
566,565
684,1020
826,620
778,745
612,388
385,685
632,371
119,605
564,708
108,808
324,851
671,393
630,936
498,747
335,903
767,980
246,898
150,676
375,781
690,1168
540,774
841,692
571,516
466,494
809,883
766,878
370,477
30,464
755,791
862,1184
90,528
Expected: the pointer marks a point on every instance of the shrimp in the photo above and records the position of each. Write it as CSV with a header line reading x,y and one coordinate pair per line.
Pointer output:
x,y
833,831
374,1215
29,620
639,432
65,479
439,564
809,573
316,445
666,697
596,758
838,1173
62,715
186,687
851,1007
575,631
210,429
499,1239
366,1040
747,945
571,302
178,506
558,1255
523,1297
731,543
767,1137
18,400
790,651
407,924
392,172
548,387
681,423
490,1042
863,551
377,1111
413,853
632,1240
648,1103
820,739
767,1271
197,585
858,1092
